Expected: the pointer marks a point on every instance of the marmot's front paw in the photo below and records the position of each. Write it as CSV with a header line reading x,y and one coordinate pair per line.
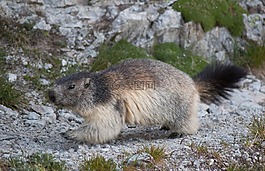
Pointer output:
x,y
68,135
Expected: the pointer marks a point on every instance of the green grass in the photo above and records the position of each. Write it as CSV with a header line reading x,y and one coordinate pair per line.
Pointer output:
x,y
179,58
157,161
35,162
9,96
166,52
98,163
158,153
211,13
24,36
257,128
252,56
112,54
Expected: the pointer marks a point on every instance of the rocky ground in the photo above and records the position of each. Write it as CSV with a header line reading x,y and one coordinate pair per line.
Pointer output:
x,y
37,126
222,130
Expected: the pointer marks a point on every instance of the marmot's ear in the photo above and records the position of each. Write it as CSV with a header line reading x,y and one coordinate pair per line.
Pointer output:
x,y
86,82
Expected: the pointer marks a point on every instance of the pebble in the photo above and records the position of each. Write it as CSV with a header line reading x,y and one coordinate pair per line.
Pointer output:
x,y
12,77
140,159
33,116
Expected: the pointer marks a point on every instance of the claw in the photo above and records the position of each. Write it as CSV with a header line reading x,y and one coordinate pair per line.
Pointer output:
x,y
67,135
175,135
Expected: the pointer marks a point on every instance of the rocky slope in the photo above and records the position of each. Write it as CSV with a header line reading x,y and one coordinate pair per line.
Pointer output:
x,y
37,127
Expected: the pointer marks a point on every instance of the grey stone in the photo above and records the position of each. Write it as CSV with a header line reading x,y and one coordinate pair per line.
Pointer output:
x,y
41,109
38,123
255,29
166,28
214,41
48,66
33,116
44,81
11,77
7,111
42,25
92,14
140,159
255,86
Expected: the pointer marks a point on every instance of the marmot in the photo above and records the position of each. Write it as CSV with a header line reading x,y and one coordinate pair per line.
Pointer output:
x,y
141,91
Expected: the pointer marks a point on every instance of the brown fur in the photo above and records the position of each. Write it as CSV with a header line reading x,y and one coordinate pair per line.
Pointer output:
x,y
139,91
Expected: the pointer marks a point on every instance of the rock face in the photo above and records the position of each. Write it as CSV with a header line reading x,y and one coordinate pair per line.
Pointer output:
x,y
144,23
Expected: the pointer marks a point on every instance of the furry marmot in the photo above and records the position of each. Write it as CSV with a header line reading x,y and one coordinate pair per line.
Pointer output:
x,y
141,91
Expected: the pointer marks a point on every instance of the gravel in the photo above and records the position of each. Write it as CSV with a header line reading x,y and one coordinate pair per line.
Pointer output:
x,y
38,130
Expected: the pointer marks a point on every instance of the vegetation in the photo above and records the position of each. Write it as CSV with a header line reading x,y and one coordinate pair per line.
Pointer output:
x,y
9,96
110,54
36,161
257,128
32,41
211,13
39,45
98,163
158,153
252,56
181,59
166,52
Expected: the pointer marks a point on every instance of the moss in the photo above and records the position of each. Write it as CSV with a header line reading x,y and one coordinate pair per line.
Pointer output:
x,y
181,59
112,54
98,163
211,13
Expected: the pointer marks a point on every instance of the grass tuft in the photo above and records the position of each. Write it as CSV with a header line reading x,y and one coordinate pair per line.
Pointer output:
x,y
257,128
252,56
158,153
9,96
98,163
36,161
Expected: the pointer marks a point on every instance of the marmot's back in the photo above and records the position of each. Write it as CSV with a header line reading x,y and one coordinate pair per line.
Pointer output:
x,y
136,70
151,90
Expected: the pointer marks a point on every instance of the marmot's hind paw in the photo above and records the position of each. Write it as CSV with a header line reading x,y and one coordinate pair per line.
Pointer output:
x,y
165,128
176,135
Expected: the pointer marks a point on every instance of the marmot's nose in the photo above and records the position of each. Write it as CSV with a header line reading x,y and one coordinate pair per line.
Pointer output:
x,y
51,95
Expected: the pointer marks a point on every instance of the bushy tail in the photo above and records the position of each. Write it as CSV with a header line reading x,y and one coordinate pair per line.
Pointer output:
x,y
217,80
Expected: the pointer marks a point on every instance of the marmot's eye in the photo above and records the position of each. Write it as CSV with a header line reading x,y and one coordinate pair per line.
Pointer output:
x,y
86,85
72,86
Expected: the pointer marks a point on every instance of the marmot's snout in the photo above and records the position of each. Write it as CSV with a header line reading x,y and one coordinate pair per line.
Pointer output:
x,y
51,95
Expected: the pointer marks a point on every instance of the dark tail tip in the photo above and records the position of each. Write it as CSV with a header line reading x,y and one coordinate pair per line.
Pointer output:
x,y
217,80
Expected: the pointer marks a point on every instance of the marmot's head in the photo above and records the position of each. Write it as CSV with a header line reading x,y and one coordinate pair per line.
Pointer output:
x,y
80,91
